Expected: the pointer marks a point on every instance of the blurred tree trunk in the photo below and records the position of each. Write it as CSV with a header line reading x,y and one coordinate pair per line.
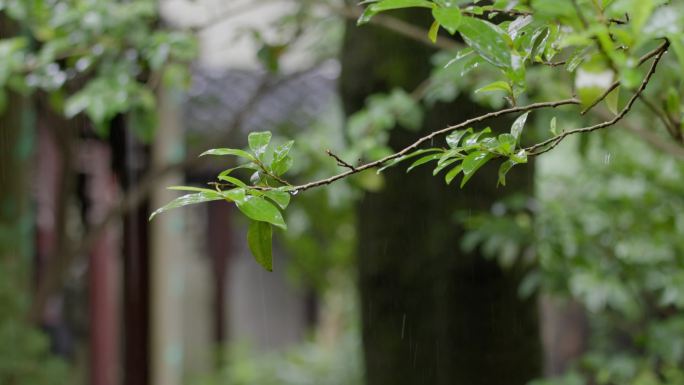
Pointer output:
x,y
431,313
16,225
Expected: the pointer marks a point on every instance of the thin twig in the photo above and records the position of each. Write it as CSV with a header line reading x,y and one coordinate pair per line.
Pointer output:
x,y
653,139
554,63
549,144
663,116
616,83
340,161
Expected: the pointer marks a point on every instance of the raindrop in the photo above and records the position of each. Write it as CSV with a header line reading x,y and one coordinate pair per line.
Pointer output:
x,y
32,80
97,49
294,192
403,326
83,63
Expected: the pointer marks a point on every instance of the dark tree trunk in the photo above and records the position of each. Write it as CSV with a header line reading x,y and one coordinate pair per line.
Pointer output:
x,y
431,313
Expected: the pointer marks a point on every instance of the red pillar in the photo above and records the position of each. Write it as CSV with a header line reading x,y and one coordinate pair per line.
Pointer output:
x,y
103,274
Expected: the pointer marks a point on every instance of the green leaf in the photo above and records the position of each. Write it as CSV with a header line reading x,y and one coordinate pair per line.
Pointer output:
x,y
503,170
281,198
189,199
496,86
442,165
258,142
433,31
280,166
460,56
386,5
488,40
518,125
506,144
233,180
455,137
259,238
612,100
453,153
191,188
259,209
452,173
423,160
472,163
234,195
283,150
592,80
408,156
640,12
553,126
449,18
520,156
471,140
229,151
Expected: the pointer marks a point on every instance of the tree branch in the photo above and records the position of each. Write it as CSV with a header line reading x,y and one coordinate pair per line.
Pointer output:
x,y
670,126
550,143
340,161
426,138
653,139
616,83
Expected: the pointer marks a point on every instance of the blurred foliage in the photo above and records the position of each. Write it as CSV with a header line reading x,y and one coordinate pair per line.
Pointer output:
x,y
606,231
100,58
331,357
608,234
25,355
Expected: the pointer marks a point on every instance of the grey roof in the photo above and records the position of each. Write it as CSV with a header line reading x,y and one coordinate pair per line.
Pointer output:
x,y
258,100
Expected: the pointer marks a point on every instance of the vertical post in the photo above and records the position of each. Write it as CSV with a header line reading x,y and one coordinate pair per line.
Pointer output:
x,y
219,228
167,251
130,161
102,267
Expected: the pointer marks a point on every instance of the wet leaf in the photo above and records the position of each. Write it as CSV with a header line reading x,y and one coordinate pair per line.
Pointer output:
x,y
496,86
472,163
258,142
455,137
433,31
259,209
229,151
503,170
408,156
233,180
423,160
259,239
452,173
488,40
518,125
189,199
281,198
448,18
